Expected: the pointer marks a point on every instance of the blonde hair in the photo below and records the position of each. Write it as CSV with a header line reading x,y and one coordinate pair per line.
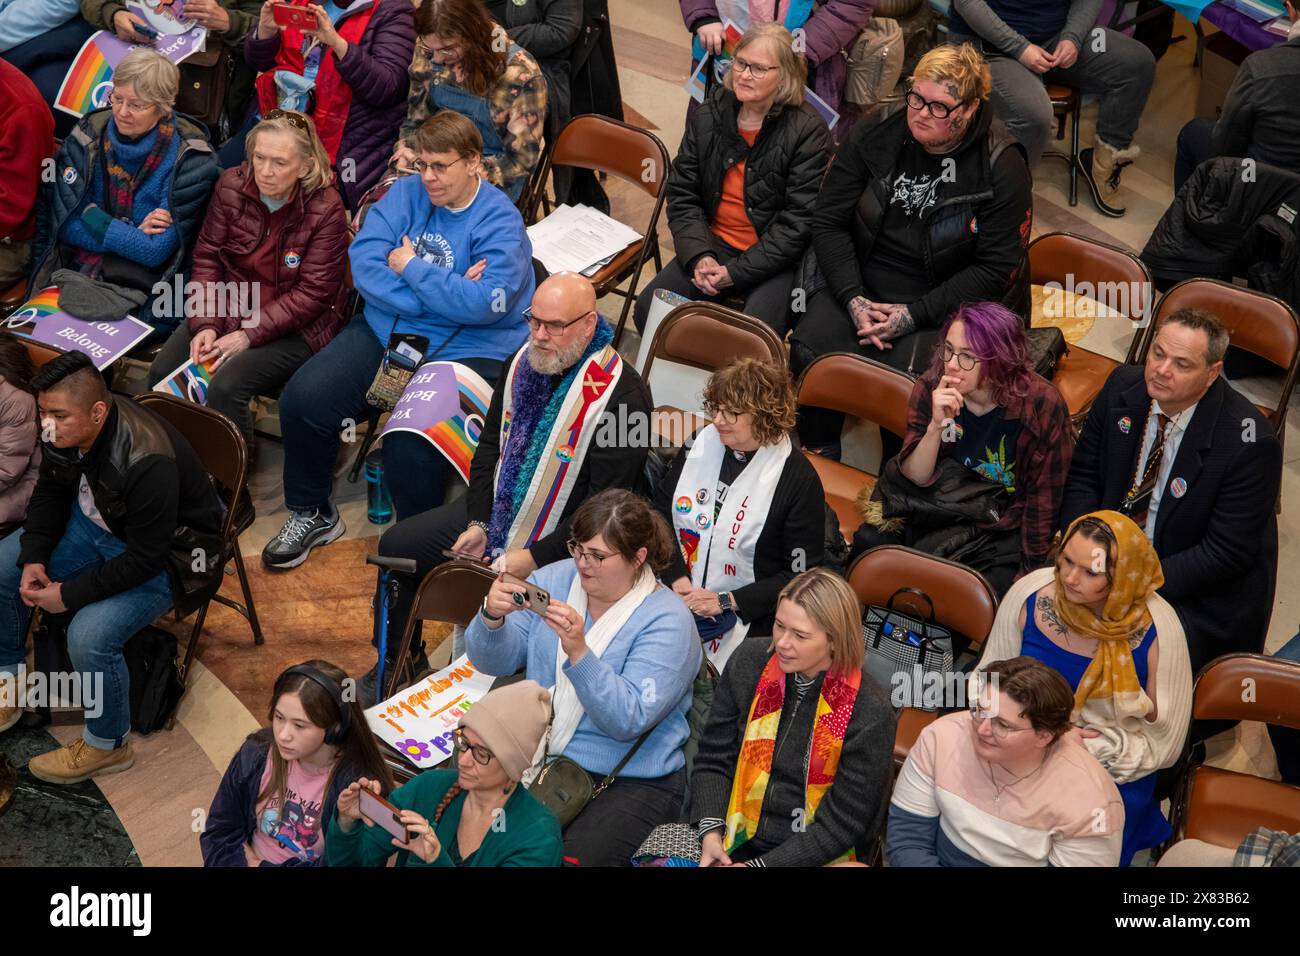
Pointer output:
x,y
761,388
310,150
963,66
793,66
830,602
154,78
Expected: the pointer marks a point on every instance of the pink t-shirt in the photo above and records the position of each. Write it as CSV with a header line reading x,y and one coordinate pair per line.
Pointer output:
x,y
294,830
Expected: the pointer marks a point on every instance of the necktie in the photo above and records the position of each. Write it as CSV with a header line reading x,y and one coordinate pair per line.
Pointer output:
x,y
1138,500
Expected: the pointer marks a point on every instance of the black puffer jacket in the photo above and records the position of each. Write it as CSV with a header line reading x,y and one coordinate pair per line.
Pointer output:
x,y
783,172
1231,221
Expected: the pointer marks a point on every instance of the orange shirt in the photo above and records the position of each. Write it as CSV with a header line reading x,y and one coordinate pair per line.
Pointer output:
x,y
731,223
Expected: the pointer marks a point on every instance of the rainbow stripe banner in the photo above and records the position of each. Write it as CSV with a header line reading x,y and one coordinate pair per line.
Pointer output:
x,y
41,320
190,381
446,403
90,79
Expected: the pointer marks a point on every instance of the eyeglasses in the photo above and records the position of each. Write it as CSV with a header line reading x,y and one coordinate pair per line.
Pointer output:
x,y
438,169
714,410
753,69
583,554
460,743
292,116
552,328
444,51
964,359
937,109
1001,731
132,106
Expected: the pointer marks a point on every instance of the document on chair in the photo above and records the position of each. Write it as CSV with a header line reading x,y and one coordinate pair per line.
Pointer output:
x,y
578,239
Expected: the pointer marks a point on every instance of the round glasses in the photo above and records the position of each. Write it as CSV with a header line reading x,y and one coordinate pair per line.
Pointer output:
x,y
1000,729
937,109
460,743
714,410
964,359
580,553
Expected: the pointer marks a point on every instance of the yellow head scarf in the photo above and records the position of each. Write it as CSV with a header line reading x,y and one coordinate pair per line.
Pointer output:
x,y
1135,575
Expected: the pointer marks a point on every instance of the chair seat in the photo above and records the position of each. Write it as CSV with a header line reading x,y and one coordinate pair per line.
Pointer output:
x,y
14,296
911,721
1225,806
1080,375
610,274
1062,95
841,485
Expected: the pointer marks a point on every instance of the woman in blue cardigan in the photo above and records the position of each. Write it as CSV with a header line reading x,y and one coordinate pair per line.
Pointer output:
x,y
620,653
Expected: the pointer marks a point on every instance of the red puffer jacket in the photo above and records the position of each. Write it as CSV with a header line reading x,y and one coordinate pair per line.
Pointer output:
x,y
305,248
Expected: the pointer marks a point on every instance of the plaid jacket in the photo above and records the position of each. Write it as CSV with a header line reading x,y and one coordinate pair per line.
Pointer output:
x,y
1267,847
1042,459
518,104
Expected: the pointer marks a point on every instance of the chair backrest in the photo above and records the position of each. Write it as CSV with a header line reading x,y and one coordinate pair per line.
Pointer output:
x,y
1248,687
452,592
40,354
707,336
963,600
858,386
1257,322
215,439
605,145
1115,277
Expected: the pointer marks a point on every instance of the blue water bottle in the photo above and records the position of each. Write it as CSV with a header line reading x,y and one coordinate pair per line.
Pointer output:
x,y
379,503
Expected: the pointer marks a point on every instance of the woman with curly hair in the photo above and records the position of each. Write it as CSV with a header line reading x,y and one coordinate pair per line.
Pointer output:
x,y
747,509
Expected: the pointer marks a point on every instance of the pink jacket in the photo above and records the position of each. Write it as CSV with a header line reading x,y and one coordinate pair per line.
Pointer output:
x,y
20,458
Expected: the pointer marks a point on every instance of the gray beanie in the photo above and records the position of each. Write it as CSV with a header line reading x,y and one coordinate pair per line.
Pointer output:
x,y
511,721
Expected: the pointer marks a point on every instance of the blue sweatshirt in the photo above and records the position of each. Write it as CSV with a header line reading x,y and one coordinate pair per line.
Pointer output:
x,y
644,678
432,297
23,20
154,193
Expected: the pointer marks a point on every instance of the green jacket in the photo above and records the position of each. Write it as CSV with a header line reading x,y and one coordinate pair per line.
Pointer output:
x,y
243,17
529,834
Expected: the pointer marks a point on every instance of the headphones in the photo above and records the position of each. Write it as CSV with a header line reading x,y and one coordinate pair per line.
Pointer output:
x,y
337,731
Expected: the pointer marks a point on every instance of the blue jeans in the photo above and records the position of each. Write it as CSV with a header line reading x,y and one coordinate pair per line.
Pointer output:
x,y
1286,742
448,96
97,632
327,392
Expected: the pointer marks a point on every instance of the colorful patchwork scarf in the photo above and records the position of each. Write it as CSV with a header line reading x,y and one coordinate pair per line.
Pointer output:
x,y
834,708
530,410
120,186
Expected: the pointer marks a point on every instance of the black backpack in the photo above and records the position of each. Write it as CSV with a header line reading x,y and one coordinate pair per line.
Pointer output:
x,y
156,686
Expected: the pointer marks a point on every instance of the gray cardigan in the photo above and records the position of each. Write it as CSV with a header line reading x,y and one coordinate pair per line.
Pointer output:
x,y
852,811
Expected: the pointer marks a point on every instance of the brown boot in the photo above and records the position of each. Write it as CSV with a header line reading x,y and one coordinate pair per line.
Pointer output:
x,y
1102,166
79,761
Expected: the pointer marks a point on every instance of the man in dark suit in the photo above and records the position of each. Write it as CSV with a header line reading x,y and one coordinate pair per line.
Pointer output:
x,y
1194,463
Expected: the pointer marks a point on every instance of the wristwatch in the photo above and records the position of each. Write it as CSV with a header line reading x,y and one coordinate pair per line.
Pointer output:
x,y
724,601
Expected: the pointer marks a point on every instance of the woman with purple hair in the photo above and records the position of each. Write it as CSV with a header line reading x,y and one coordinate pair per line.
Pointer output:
x,y
979,415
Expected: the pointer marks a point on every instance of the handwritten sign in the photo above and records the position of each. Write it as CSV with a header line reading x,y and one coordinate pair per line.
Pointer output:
x,y
41,320
418,722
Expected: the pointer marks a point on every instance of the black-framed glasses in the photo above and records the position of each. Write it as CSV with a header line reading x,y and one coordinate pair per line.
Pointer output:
x,y
460,743
728,416
293,116
580,553
438,169
964,359
753,69
938,109
552,328
1001,731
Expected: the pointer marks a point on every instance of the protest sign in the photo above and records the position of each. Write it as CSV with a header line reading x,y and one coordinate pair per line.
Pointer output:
x,y
418,722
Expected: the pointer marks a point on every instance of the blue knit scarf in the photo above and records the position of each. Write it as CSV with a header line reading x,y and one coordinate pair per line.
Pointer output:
x,y
537,403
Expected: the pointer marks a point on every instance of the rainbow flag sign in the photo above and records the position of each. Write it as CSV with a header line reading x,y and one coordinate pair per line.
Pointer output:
x,y
445,402
189,382
90,79
41,320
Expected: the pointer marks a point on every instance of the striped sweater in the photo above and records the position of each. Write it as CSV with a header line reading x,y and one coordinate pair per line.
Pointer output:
x,y
946,812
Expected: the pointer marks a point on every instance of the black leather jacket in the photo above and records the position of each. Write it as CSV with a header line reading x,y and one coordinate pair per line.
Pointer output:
x,y
152,492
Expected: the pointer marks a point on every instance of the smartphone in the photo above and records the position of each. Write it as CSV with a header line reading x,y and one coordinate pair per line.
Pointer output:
x,y
462,556
287,16
534,598
146,31
384,815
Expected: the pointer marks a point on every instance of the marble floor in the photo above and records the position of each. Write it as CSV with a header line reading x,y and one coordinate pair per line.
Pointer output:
x,y
152,814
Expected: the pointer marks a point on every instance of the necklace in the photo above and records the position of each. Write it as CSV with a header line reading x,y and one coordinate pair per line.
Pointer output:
x,y
997,791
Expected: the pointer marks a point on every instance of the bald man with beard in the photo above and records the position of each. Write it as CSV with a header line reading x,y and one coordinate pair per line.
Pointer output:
x,y
542,452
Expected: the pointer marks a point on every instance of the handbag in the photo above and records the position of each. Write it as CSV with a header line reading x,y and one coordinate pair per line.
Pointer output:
x,y
902,650
205,81
669,844
565,789
1045,347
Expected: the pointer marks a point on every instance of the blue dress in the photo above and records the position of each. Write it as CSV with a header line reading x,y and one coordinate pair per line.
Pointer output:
x,y
1144,824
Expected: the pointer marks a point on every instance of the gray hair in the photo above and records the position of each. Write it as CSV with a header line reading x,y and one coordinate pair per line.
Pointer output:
x,y
155,78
